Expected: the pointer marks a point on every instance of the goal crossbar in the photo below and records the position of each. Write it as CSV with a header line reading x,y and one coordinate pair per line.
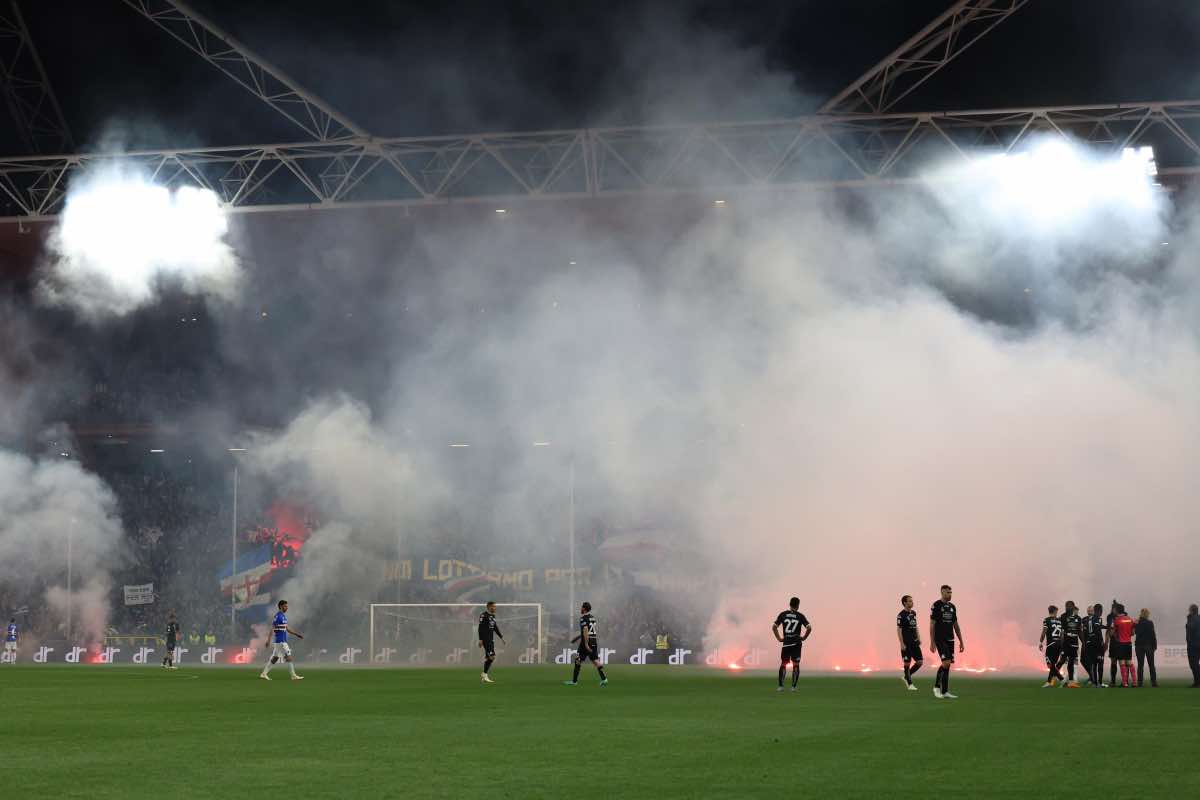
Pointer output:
x,y
536,607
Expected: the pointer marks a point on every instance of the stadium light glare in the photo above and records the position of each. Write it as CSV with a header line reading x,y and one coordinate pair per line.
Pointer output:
x,y
1054,181
459,444
119,232
156,450
541,444
237,449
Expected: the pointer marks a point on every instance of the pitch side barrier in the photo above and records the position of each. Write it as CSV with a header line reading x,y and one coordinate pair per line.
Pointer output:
x,y
396,655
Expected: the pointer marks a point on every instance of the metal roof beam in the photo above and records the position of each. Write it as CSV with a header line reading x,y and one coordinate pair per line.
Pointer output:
x,y
881,87
817,151
35,110
314,116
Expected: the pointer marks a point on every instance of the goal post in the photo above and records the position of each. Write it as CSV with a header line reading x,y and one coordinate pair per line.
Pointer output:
x,y
429,634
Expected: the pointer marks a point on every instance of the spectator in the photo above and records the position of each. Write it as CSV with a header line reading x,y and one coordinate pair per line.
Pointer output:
x,y
1145,644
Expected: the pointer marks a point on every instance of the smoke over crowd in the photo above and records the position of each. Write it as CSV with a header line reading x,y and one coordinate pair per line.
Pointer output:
x,y
986,379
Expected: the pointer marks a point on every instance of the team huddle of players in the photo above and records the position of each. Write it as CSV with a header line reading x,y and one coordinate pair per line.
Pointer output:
x,y
1063,636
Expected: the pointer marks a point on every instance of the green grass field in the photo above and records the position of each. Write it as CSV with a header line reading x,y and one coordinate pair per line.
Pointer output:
x,y
654,731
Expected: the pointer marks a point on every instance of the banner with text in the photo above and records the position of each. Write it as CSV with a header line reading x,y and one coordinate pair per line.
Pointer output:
x,y
139,595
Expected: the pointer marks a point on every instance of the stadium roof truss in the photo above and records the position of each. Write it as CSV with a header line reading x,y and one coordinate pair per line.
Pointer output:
x,y
341,165
35,111
816,151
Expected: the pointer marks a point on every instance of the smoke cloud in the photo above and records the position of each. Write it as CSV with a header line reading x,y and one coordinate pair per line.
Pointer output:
x,y
987,380
845,403
53,513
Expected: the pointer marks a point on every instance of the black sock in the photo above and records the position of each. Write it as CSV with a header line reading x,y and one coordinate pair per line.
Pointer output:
x,y
575,675
782,672
1071,670
600,670
795,674
487,666
913,669
907,673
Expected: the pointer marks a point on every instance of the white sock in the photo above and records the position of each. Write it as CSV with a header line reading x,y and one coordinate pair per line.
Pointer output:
x,y
292,668
267,668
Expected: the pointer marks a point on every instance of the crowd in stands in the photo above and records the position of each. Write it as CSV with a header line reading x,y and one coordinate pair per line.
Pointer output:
x,y
136,397
174,523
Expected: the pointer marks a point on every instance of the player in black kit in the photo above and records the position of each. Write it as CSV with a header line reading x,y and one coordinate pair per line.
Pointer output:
x,y
172,642
488,630
791,621
589,647
1093,646
1072,627
1051,639
908,632
943,628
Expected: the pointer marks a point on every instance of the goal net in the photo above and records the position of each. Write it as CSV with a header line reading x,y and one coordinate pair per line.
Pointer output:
x,y
435,634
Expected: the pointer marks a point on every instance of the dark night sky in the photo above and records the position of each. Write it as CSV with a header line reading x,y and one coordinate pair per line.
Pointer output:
x,y
412,69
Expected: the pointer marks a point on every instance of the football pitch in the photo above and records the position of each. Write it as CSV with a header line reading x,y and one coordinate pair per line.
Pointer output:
x,y
652,732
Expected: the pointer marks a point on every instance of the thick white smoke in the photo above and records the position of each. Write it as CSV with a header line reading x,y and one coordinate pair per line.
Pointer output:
x,y
950,386
363,484
53,513
121,237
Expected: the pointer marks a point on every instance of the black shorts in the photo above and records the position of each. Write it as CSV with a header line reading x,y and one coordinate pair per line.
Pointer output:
x,y
171,647
1070,649
911,651
592,653
1112,649
1053,653
489,649
791,652
1092,653
1123,651
946,650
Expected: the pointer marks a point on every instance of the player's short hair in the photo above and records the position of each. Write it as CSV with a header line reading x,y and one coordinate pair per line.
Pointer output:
x,y
1194,609
794,602
1071,604
587,606
905,597
1052,609
281,604
1120,607
490,603
1097,608
945,587
1145,614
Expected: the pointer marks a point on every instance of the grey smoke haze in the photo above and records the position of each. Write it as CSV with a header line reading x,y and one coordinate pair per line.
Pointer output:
x,y
842,398
794,384
46,505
